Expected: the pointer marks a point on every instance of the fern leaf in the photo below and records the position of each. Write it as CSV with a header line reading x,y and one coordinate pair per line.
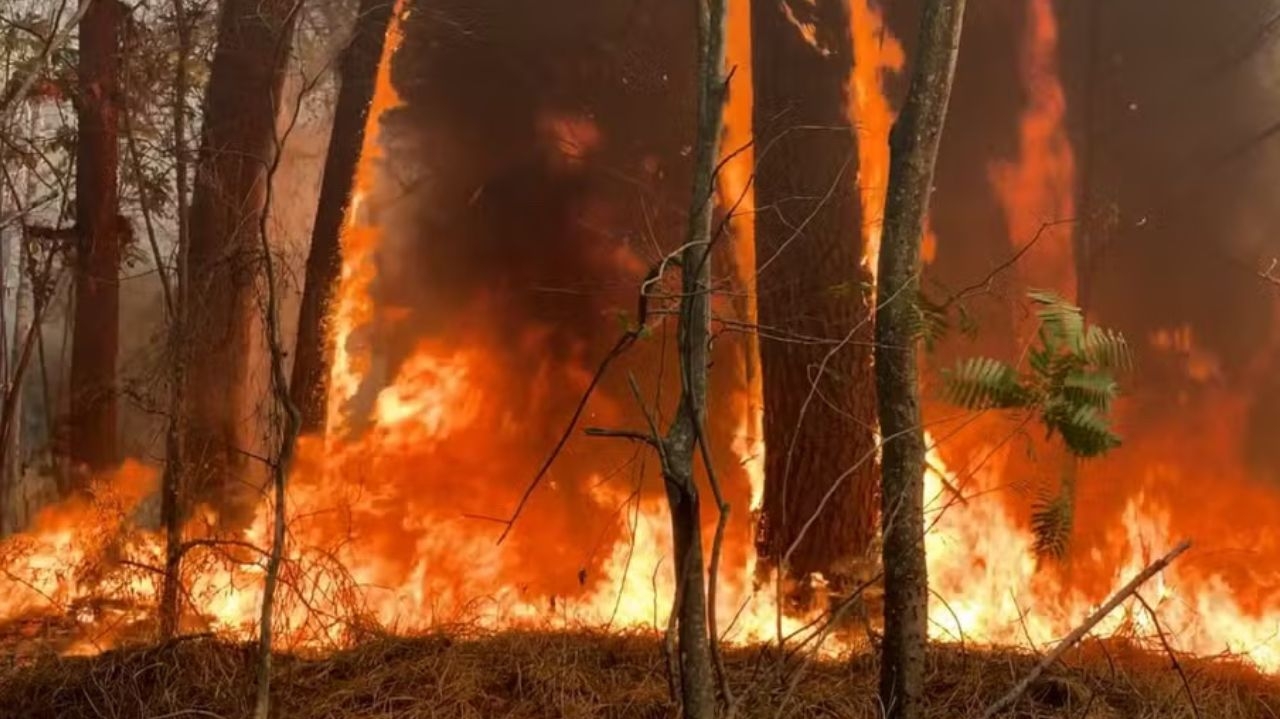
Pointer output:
x,y
1051,521
1061,323
1092,389
929,322
984,383
1052,516
1108,350
1083,428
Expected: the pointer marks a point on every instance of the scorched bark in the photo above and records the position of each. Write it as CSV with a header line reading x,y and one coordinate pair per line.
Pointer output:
x,y
309,383
810,289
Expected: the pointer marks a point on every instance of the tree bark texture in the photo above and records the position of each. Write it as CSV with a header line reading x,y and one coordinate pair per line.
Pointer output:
x,y
172,481
237,142
815,346
359,71
680,447
914,145
96,327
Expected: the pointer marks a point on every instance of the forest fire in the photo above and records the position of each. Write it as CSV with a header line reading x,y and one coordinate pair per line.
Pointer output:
x,y
435,429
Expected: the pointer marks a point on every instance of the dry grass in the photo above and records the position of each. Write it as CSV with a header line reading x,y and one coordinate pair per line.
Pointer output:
x,y
517,674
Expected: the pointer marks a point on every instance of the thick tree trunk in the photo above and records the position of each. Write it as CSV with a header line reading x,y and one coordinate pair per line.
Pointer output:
x,y
914,151
309,384
815,349
237,142
96,337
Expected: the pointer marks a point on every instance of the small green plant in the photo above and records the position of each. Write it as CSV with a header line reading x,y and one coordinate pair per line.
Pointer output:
x,y
1069,380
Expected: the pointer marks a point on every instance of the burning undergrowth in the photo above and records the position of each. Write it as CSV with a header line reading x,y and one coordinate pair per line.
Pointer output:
x,y
486,272
518,674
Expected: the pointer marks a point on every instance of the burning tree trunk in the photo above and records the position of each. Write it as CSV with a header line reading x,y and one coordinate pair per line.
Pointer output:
x,y
237,142
358,76
819,410
913,150
97,258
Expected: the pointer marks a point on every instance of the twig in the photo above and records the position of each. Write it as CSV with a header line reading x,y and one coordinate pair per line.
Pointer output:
x,y
622,345
23,212
1010,262
1079,632
1173,656
32,72
630,434
1268,274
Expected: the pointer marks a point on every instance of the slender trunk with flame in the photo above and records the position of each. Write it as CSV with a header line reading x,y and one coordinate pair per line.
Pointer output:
x,y
237,137
913,145
312,356
819,407
96,338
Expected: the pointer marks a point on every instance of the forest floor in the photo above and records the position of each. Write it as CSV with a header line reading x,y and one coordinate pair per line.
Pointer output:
x,y
526,674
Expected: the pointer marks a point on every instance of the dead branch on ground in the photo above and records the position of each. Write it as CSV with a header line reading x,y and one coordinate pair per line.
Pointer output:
x,y
1081,631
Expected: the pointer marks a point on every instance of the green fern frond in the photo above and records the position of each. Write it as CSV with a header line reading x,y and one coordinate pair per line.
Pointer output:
x,y
1092,389
984,383
1083,428
1108,350
929,322
1051,522
1061,323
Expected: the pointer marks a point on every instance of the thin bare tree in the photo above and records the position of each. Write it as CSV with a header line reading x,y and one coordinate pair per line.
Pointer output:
x,y
913,143
172,481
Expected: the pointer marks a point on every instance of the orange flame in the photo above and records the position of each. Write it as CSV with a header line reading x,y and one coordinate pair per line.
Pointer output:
x,y
877,55
1039,187
371,540
353,308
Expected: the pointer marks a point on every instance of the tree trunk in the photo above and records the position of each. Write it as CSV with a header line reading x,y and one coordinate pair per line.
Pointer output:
x,y
283,457
237,142
815,349
312,355
96,338
173,481
913,150
680,447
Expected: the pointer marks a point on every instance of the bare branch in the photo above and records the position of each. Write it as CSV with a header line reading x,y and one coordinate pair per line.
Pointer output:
x,y
1079,632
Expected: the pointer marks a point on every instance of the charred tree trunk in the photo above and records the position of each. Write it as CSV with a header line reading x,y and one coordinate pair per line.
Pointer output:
x,y
913,145
359,72
819,406
96,338
237,142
